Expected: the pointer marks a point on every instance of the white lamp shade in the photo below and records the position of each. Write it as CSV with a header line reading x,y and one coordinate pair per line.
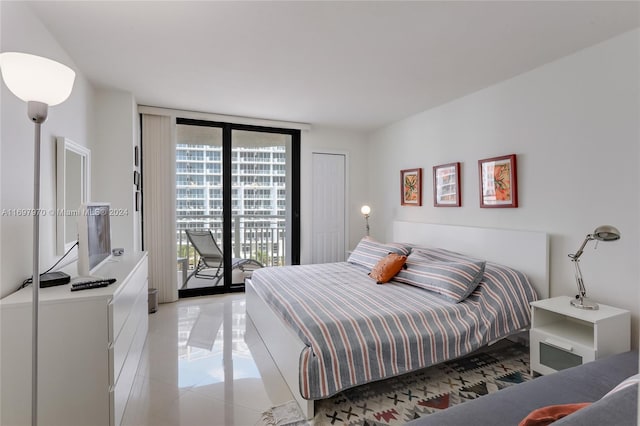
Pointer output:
x,y
34,78
365,210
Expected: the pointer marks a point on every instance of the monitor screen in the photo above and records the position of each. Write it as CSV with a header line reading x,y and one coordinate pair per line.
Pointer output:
x,y
99,234
94,237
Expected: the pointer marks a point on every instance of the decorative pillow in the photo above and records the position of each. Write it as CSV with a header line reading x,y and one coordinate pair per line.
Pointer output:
x,y
618,408
442,255
546,415
454,280
368,252
387,267
610,409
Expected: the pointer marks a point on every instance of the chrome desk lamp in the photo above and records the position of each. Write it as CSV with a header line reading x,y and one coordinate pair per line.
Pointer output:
x,y
602,233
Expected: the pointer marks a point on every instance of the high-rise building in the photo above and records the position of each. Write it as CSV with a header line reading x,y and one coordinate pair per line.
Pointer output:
x,y
258,195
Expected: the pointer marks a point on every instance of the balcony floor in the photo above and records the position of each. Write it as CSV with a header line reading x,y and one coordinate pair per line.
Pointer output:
x,y
195,282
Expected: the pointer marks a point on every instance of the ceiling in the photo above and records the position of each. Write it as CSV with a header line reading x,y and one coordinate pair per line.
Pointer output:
x,y
358,65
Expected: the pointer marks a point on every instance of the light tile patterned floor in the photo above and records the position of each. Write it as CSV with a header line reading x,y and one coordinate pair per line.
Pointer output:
x,y
198,370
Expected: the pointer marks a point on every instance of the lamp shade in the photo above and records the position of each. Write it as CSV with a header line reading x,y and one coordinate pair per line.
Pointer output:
x,y
34,78
365,210
606,233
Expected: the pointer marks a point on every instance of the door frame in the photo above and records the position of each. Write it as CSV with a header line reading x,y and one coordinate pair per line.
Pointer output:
x,y
227,216
347,195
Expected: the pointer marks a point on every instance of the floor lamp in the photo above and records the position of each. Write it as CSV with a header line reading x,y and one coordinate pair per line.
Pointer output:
x,y
41,83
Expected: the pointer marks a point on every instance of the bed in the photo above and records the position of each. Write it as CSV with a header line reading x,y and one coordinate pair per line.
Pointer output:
x,y
318,361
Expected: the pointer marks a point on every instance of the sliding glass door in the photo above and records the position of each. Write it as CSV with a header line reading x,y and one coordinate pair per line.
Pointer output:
x,y
238,186
198,197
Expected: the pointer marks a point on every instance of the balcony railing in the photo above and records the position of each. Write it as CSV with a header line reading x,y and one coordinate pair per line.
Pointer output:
x,y
262,238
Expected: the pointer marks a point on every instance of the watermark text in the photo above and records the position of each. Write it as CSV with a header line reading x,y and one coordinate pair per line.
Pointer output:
x,y
58,212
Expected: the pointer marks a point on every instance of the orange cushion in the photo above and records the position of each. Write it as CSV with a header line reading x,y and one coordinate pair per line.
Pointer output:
x,y
387,267
547,415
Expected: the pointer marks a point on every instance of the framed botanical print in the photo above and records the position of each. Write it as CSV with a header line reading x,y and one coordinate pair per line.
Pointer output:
x,y
446,185
411,187
498,182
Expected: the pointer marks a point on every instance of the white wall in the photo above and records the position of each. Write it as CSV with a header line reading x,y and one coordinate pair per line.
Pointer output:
x,y
574,125
323,139
105,121
116,132
22,31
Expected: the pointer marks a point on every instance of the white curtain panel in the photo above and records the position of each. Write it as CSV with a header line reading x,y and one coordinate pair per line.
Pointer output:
x,y
159,177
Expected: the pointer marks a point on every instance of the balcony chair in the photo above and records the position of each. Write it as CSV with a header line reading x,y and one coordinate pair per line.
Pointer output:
x,y
211,257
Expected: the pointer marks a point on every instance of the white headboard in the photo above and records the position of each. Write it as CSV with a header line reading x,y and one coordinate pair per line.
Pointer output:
x,y
525,251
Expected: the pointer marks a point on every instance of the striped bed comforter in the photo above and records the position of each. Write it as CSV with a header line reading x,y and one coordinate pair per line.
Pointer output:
x,y
357,331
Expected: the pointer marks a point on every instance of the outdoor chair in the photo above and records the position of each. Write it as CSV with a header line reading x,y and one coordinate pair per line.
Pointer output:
x,y
211,257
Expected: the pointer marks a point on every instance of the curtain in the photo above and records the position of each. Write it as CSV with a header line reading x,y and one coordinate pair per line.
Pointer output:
x,y
159,208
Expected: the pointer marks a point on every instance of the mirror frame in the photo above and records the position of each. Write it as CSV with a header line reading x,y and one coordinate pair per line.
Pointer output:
x,y
64,145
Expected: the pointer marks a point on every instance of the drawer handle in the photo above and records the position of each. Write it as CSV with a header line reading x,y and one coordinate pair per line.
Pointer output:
x,y
558,345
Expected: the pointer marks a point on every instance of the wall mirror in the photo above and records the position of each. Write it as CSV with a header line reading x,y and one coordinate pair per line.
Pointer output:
x,y
73,171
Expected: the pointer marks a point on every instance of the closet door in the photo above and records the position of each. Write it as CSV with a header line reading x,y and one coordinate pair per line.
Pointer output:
x,y
328,229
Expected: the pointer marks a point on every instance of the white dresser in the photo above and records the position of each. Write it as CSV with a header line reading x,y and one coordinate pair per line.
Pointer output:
x,y
90,345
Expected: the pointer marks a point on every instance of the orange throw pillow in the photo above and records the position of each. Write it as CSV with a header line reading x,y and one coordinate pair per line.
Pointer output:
x,y
387,267
547,415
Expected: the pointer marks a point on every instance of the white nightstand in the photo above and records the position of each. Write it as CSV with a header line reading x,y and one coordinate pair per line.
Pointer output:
x,y
563,336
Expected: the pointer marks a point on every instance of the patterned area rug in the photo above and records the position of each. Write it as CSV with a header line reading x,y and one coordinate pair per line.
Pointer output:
x,y
401,399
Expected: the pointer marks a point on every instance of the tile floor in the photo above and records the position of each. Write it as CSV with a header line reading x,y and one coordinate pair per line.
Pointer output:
x,y
203,365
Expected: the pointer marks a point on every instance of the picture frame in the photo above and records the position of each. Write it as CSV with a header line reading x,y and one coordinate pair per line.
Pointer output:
x,y
498,182
446,185
411,187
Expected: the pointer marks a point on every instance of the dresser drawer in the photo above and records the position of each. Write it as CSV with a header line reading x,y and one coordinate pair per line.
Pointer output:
x,y
122,389
125,298
119,349
550,353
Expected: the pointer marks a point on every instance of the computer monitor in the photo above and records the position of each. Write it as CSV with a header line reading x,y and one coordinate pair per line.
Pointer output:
x,y
94,237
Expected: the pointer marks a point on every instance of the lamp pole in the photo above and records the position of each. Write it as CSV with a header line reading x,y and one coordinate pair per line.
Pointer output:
x,y
37,112
36,267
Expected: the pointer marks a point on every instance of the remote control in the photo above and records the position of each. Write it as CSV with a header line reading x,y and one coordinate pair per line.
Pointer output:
x,y
85,285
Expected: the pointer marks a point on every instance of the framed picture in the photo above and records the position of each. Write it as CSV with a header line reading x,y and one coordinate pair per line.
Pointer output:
x,y
446,185
411,187
498,182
